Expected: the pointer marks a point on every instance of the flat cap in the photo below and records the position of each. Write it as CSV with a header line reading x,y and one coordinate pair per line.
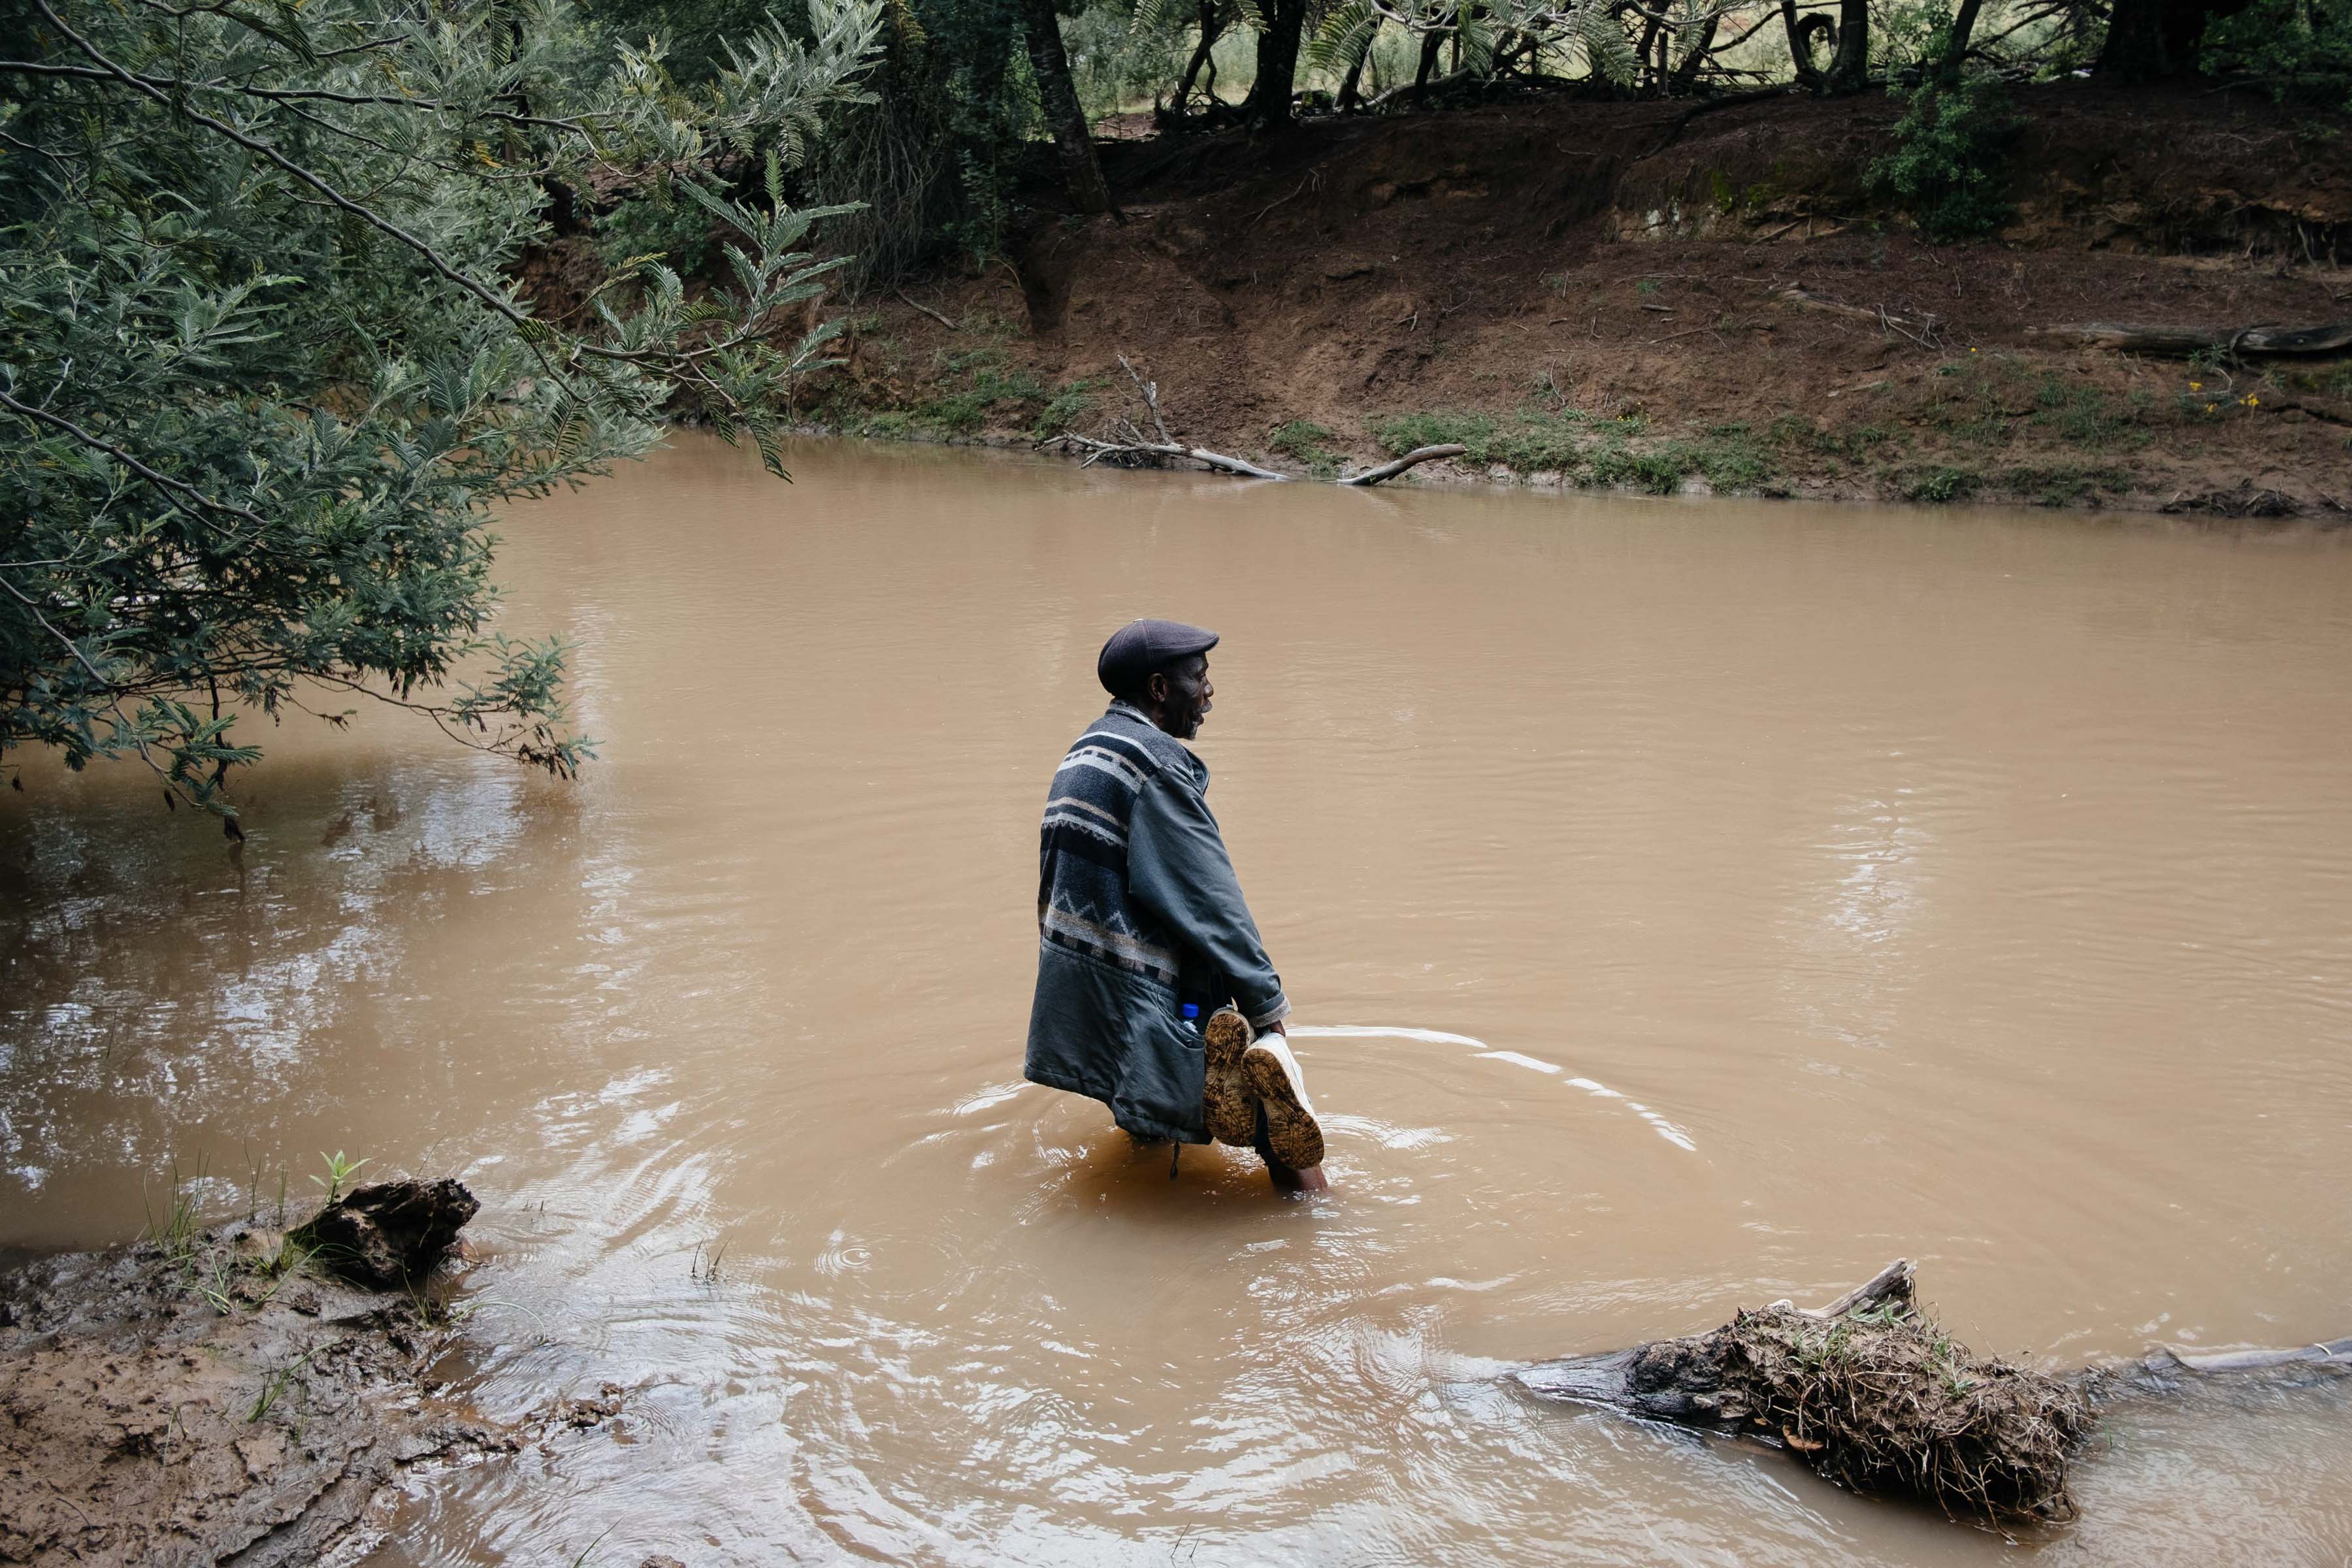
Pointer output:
x,y
1139,648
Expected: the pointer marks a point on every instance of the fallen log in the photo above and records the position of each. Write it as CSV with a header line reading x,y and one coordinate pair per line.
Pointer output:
x,y
1871,1394
2264,337
1419,455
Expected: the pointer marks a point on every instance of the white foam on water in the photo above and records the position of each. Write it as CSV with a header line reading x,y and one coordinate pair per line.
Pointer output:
x,y
1517,1061
1672,1133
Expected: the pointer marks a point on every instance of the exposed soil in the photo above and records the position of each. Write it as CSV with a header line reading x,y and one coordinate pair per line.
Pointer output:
x,y
1649,295
197,1401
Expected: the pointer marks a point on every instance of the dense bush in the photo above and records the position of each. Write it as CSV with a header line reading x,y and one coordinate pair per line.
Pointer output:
x,y
1949,168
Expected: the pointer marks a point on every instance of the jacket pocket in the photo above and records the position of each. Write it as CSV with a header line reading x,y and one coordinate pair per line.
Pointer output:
x,y
1160,1089
1112,1034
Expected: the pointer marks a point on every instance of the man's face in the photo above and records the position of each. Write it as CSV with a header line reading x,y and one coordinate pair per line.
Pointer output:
x,y
1184,702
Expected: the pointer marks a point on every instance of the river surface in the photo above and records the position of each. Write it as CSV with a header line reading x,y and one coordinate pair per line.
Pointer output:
x,y
1686,905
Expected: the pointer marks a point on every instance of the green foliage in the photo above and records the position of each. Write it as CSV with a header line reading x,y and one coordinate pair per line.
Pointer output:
x,y
1984,398
654,228
974,383
1069,404
1119,57
339,1171
2063,484
1949,168
2300,50
1302,439
1938,485
934,158
264,371
1585,450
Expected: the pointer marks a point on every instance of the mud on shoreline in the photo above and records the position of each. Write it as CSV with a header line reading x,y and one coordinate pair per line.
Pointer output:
x,y
197,1401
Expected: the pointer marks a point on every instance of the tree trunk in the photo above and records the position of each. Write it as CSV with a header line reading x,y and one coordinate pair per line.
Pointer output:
x,y
1277,63
1694,59
1647,54
1430,45
1800,55
1082,174
1212,28
2134,51
1849,72
1350,94
1956,47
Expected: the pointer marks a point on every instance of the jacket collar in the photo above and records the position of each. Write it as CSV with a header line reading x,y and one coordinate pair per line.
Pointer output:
x,y
1122,708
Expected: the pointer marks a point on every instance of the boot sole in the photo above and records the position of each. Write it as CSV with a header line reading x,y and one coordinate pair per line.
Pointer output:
x,y
1291,1130
1227,1104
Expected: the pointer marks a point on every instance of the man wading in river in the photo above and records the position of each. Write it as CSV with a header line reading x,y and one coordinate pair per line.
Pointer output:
x,y
1144,934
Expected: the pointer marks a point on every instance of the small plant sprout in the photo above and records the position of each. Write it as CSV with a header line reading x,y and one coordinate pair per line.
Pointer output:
x,y
339,1170
274,1386
176,1231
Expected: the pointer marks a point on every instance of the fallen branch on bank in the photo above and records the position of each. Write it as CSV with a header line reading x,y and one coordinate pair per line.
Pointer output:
x,y
1873,1394
1922,329
2264,337
935,315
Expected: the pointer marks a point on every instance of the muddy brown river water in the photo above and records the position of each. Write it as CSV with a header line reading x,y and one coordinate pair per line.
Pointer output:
x,y
1687,905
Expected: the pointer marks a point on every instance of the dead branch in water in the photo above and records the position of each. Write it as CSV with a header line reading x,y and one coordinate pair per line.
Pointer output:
x,y
1130,448
1128,454
1868,1391
1418,456
1126,445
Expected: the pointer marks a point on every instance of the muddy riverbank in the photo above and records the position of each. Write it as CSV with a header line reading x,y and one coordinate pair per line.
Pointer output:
x,y
1654,298
225,1396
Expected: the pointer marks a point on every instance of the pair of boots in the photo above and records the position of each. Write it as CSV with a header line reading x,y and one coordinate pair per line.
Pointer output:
x,y
1247,1071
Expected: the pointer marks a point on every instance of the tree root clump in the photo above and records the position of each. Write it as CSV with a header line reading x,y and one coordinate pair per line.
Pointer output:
x,y
1868,1391
1881,1400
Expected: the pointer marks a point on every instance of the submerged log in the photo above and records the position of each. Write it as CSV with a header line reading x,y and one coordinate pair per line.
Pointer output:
x,y
1868,1391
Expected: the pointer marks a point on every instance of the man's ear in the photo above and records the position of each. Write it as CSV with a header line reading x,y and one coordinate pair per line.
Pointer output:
x,y
1155,689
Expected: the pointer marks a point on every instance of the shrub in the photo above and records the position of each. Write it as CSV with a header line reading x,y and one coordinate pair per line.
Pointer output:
x,y
1949,168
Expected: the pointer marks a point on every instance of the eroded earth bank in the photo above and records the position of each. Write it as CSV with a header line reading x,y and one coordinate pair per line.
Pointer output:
x,y
1653,297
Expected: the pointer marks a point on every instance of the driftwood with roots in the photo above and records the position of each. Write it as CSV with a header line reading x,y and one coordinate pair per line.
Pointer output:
x,y
1868,1391
1128,446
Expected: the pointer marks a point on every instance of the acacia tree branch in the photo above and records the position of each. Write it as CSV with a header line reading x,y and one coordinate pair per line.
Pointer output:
x,y
125,724
298,95
161,480
489,296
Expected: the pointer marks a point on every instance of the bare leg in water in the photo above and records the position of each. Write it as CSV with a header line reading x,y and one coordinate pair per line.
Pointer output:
x,y
1286,1180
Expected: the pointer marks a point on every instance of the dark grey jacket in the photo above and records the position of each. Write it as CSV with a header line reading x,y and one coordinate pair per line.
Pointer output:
x,y
1138,913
